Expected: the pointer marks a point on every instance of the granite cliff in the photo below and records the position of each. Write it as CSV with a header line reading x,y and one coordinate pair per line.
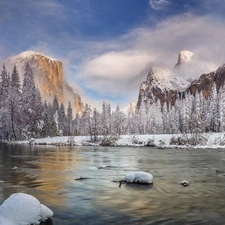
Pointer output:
x,y
48,76
206,81
161,85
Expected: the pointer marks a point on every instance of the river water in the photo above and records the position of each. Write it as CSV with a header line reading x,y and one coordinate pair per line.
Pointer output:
x,y
49,173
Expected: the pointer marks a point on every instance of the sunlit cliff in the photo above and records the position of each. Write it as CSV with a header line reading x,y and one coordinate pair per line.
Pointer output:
x,y
49,78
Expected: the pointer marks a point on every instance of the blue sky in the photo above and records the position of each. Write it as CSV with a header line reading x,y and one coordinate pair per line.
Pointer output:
x,y
105,45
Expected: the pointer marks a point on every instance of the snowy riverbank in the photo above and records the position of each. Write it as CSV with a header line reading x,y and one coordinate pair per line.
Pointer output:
x,y
209,140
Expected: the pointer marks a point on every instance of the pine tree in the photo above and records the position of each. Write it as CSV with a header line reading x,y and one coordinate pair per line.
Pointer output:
x,y
15,104
4,104
55,111
118,122
31,102
62,120
95,124
106,119
49,127
69,117
86,120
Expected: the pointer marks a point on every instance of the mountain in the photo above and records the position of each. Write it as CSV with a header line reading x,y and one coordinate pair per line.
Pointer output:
x,y
206,81
163,84
48,76
160,85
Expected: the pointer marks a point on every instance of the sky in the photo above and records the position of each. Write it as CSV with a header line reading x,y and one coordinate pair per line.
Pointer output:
x,y
107,46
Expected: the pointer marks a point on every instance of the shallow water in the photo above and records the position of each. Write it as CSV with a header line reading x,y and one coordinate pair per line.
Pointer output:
x,y
49,174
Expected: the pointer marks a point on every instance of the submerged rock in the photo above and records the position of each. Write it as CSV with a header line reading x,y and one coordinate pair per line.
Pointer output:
x,y
185,183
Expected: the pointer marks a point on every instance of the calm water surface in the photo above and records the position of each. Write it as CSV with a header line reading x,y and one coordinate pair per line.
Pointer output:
x,y
49,174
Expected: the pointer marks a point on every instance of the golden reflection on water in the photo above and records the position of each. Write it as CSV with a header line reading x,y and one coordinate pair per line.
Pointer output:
x,y
53,173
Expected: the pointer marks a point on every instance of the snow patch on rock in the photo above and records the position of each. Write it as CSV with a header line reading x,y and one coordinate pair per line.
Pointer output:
x,y
29,54
21,209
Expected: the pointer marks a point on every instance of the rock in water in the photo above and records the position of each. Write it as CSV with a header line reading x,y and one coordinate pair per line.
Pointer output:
x,y
139,177
184,183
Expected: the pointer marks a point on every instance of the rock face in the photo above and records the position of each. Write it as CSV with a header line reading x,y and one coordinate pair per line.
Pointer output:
x,y
206,81
161,85
48,76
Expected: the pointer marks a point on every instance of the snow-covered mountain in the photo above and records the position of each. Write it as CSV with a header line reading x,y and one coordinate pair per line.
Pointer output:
x,y
48,75
165,79
163,84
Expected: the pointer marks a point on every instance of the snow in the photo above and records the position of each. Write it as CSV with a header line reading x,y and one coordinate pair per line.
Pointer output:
x,y
23,209
163,78
184,183
21,59
214,140
139,177
29,54
45,212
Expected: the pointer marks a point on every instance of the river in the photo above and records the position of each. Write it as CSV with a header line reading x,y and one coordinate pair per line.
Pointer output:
x,y
49,173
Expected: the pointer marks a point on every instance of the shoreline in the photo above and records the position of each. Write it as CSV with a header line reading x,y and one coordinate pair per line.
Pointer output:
x,y
160,141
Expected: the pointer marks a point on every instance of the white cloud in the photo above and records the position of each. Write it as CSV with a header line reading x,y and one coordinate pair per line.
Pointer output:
x,y
117,65
158,4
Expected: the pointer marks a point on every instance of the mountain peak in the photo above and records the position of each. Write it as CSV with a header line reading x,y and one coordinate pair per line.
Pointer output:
x,y
29,54
165,79
48,76
184,56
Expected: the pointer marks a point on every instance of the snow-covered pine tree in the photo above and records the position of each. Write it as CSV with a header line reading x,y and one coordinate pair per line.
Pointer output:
x,y
69,117
77,126
215,120
86,120
143,117
106,119
15,104
222,108
31,104
95,124
5,128
118,122
55,110
62,120
186,114
49,127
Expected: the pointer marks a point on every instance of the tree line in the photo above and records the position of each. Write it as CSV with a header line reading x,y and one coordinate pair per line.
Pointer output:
x,y
24,115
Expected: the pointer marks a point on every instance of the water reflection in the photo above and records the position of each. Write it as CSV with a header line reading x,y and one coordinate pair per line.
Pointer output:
x,y
49,174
